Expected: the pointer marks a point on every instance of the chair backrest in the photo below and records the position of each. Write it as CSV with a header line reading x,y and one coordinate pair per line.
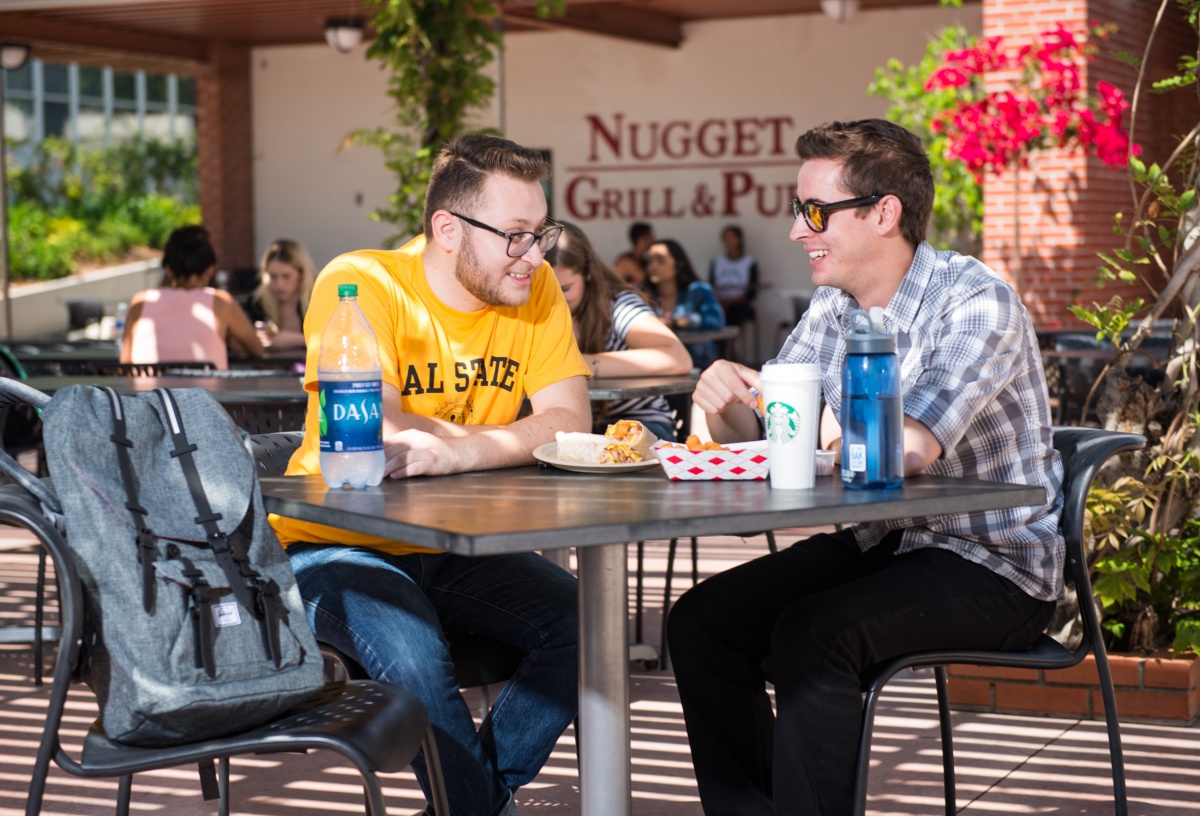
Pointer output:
x,y
272,451
1084,451
152,369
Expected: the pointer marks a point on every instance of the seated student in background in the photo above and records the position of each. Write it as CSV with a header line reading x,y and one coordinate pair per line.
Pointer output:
x,y
186,320
734,277
630,266
682,300
617,331
277,307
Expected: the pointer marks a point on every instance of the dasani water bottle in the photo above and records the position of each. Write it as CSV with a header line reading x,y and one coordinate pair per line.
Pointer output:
x,y
349,381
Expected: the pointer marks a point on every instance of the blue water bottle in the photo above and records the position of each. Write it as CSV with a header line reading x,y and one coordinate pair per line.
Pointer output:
x,y
872,408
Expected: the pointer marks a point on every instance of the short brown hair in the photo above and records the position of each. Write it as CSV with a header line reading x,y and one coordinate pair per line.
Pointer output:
x,y
878,158
462,168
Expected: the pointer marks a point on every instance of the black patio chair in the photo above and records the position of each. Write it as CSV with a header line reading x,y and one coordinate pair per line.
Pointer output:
x,y
162,369
21,429
1084,451
376,726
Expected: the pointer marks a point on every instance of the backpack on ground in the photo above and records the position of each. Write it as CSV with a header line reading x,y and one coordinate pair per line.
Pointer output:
x,y
194,624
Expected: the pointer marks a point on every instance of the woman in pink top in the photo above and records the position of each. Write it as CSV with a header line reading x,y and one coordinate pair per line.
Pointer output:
x,y
187,320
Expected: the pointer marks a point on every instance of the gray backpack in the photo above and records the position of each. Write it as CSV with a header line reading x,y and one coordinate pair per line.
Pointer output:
x,y
195,627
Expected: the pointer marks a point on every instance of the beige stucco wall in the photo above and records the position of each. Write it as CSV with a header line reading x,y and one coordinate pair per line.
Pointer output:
x,y
757,83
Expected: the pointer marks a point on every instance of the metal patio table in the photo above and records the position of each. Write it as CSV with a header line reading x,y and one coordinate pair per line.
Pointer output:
x,y
240,384
539,508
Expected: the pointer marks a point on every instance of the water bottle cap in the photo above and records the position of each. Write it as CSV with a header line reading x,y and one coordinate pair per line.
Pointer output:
x,y
865,339
347,290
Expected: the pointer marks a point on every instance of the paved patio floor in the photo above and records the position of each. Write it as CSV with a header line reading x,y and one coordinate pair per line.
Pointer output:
x,y
1006,764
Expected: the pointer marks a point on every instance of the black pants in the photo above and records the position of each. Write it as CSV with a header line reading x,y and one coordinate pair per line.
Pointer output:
x,y
819,614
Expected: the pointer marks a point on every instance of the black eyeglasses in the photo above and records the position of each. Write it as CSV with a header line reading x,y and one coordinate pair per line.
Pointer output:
x,y
817,215
521,242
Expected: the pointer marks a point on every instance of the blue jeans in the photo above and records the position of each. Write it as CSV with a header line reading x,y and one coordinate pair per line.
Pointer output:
x,y
388,612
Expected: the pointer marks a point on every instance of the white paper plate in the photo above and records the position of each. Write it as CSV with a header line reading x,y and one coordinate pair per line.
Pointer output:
x,y
548,453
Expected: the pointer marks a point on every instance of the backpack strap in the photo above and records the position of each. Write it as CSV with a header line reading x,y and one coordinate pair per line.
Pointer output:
x,y
234,569
145,536
259,597
200,608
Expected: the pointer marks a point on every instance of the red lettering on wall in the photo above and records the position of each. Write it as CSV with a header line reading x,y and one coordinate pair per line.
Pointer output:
x,y
745,137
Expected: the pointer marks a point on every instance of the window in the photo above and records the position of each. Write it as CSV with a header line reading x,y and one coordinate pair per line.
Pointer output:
x,y
38,100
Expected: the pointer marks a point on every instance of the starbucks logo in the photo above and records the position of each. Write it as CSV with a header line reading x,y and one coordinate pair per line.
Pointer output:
x,y
783,423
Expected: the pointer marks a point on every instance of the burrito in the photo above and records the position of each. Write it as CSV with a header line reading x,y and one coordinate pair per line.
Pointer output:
x,y
593,449
634,434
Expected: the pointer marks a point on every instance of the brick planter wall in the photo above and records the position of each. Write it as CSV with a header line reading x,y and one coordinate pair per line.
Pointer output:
x,y
1154,689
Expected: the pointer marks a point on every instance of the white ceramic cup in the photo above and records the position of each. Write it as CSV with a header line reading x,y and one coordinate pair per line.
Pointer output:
x,y
791,406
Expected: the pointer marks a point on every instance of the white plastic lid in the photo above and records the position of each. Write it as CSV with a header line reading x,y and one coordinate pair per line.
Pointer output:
x,y
790,372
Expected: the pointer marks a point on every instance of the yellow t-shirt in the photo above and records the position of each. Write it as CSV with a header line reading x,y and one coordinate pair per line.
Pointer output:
x,y
471,368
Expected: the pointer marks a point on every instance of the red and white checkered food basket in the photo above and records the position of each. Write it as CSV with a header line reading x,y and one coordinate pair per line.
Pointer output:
x,y
743,460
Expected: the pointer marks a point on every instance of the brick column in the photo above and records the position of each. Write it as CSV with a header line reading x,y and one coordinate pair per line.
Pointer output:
x,y
225,149
1066,201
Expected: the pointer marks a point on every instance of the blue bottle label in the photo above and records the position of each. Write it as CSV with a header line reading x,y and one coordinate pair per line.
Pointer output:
x,y
351,416
858,458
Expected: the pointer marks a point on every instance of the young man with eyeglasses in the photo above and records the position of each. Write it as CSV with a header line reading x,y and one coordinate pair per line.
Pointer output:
x,y
470,320
814,618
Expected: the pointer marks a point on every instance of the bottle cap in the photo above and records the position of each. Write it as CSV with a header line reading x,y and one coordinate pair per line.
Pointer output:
x,y
347,290
865,338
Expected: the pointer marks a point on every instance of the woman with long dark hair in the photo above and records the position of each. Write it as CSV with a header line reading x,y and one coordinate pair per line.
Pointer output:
x,y
617,331
682,299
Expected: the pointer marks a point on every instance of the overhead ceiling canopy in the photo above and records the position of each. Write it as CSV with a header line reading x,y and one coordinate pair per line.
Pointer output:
x,y
175,35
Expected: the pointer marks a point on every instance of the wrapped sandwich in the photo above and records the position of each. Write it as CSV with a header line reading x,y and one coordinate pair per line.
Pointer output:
x,y
634,434
593,449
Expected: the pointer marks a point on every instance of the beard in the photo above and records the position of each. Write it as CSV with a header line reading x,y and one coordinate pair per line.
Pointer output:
x,y
482,286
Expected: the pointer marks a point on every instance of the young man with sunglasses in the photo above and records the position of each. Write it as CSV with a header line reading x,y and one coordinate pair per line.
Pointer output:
x,y
814,618
470,320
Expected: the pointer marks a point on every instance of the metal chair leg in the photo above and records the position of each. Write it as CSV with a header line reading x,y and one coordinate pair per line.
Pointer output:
x,y
864,749
39,617
124,794
639,592
666,607
1120,797
223,786
943,696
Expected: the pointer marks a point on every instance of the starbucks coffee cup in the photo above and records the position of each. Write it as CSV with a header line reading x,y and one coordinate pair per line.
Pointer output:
x,y
791,407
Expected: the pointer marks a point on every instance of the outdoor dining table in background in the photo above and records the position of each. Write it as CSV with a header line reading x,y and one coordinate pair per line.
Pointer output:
x,y
272,386
260,402
80,359
264,399
538,508
723,337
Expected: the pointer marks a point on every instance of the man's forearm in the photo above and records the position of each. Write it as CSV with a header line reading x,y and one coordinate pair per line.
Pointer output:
x,y
486,447
736,423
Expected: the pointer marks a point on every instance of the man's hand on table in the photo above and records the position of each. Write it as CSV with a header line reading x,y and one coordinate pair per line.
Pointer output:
x,y
413,452
723,393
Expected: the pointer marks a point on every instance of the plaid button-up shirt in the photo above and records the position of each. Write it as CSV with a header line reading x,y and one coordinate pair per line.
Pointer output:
x,y
971,373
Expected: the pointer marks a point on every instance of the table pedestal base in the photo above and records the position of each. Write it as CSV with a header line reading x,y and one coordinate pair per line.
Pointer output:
x,y
603,738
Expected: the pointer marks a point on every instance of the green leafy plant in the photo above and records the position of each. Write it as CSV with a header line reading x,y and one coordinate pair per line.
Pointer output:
x,y
437,52
1149,582
74,204
957,221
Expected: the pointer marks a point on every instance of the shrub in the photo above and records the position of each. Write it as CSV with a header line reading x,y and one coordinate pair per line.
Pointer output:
x,y
76,203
